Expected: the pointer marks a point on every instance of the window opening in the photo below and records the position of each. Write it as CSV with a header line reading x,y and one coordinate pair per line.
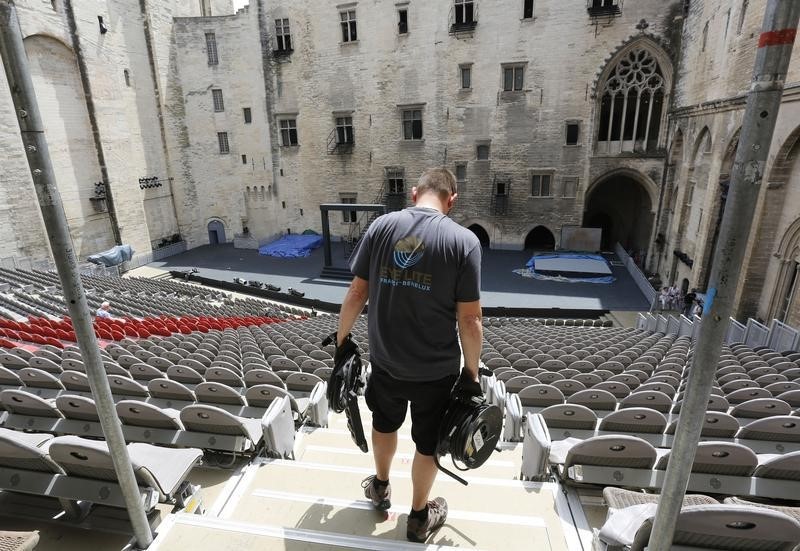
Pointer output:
x,y
288,132
513,78
224,146
402,23
211,48
540,185
412,124
632,102
349,33
219,103
344,130
282,35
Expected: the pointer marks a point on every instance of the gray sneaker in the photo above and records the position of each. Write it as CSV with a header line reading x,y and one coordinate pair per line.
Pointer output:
x,y
381,500
419,531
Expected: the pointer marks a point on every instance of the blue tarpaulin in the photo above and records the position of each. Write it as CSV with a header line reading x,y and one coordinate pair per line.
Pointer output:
x,y
530,269
291,246
112,257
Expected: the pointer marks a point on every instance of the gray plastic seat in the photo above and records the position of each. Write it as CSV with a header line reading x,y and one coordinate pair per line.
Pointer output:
x,y
716,424
77,407
649,399
218,393
25,403
783,428
540,395
167,389
569,416
211,419
142,414
612,451
75,381
781,466
761,407
724,458
594,399
36,378
225,376
635,419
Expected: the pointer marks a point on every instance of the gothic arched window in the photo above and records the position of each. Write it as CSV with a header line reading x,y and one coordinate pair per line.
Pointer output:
x,y
632,104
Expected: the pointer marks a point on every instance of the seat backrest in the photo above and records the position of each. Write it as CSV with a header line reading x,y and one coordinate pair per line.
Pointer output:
x,y
284,364
302,382
612,451
19,452
9,377
45,364
223,375
635,419
36,378
73,406
184,374
217,393
749,393
653,399
125,386
206,418
262,395
761,407
145,372
618,389
784,467
568,387
783,428
569,416
70,364
594,399
263,376
142,414
716,424
724,458
515,384
75,380
169,390
25,403
731,527
539,395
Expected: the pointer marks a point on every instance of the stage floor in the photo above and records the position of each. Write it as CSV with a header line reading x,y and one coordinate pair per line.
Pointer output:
x,y
500,287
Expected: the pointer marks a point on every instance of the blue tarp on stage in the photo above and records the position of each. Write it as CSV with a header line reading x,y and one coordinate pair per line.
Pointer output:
x,y
113,256
530,269
291,246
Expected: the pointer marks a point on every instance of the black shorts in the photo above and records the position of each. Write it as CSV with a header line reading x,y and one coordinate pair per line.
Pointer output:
x,y
388,398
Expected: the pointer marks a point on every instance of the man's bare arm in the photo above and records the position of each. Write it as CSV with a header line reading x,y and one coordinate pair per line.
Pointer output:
x,y
353,305
470,329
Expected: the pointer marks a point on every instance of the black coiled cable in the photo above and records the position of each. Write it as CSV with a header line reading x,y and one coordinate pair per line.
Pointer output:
x,y
469,433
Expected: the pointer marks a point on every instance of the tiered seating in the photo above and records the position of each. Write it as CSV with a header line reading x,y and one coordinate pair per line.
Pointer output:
x,y
219,390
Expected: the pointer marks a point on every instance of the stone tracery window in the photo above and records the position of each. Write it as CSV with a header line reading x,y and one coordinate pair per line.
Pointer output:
x,y
632,104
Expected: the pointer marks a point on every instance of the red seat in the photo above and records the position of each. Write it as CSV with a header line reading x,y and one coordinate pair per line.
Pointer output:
x,y
117,335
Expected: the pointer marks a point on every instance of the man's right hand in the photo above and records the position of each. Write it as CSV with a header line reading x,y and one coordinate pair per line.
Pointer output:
x,y
344,349
467,389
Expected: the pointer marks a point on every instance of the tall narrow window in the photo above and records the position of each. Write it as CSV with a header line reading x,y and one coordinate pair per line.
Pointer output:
x,y
396,180
513,78
349,33
540,185
466,76
349,216
690,194
282,35
482,152
211,48
248,115
727,23
402,22
224,146
742,15
412,124
127,74
461,172
464,13
219,103
573,133
288,132
632,103
244,159
344,130
527,9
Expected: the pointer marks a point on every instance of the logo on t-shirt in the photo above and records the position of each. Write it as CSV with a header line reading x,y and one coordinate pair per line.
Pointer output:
x,y
408,252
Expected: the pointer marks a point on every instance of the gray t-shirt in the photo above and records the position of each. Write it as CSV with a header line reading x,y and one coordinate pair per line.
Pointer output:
x,y
419,263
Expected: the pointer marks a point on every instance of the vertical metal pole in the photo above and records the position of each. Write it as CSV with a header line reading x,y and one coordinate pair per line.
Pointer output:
x,y
763,102
326,237
26,108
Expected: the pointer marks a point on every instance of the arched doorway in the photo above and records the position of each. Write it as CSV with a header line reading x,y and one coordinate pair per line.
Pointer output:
x,y
216,232
621,206
540,239
481,234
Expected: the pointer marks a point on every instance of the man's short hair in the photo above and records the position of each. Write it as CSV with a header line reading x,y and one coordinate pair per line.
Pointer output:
x,y
437,180
104,304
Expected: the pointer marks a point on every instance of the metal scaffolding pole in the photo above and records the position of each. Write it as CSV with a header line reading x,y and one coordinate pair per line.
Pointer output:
x,y
26,108
761,112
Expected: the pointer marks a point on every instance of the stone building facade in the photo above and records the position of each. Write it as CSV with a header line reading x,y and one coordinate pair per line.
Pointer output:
x,y
719,43
185,118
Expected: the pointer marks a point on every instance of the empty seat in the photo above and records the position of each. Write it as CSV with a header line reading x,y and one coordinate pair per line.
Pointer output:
x,y
77,407
184,374
45,365
653,399
75,381
25,403
211,419
539,395
568,387
749,393
217,393
594,399
145,372
612,451
169,390
9,378
635,419
781,428
36,378
761,407
569,416
124,386
724,458
515,384
142,414
617,389
223,375
716,424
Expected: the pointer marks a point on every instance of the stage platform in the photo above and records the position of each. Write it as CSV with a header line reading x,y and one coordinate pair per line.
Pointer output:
x,y
500,287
